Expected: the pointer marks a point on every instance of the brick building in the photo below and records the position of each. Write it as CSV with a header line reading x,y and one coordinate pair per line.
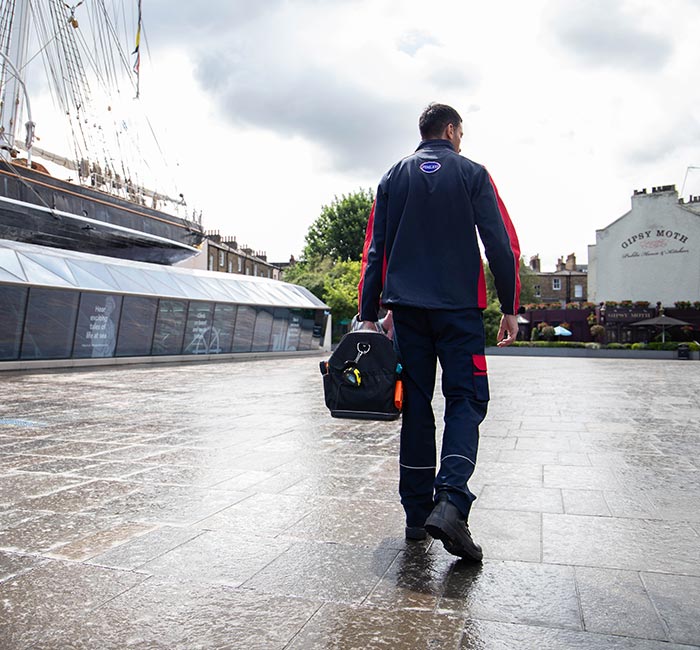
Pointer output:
x,y
223,254
568,283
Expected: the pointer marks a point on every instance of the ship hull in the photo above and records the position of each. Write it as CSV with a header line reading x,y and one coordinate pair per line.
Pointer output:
x,y
37,208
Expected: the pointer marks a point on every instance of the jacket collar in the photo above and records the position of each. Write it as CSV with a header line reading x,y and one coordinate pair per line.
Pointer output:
x,y
435,144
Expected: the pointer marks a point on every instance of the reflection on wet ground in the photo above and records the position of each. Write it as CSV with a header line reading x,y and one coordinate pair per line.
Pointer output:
x,y
219,506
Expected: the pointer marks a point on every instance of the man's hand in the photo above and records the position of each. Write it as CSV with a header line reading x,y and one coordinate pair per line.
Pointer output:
x,y
368,325
508,331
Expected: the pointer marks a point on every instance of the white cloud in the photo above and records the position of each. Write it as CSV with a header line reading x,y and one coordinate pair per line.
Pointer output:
x,y
271,109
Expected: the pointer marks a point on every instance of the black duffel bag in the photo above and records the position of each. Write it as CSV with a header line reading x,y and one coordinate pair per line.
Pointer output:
x,y
361,379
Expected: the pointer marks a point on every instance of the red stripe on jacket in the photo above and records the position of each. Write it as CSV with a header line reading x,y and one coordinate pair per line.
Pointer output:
x,y
482,298
365,252
514,244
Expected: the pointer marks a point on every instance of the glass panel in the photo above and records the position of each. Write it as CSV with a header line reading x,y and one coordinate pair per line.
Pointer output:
x,y
12,303
48,330
294,330
243,334
198,329
319,323
307,329
263,330
170,326
222,329
96,333
279,329
136,326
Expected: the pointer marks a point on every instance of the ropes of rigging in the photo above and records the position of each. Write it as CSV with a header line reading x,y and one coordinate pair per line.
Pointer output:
x,y
81,49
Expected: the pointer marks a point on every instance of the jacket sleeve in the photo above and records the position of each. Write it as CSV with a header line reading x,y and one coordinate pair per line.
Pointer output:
x,y
372,278
500,241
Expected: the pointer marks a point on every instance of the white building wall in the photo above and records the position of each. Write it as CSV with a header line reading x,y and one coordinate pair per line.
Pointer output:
x,y
651,253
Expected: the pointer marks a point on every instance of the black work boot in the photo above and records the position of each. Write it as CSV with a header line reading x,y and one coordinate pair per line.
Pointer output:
x,y
447,524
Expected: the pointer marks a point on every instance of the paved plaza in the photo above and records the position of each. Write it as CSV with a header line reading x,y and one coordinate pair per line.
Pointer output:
x,y
218,506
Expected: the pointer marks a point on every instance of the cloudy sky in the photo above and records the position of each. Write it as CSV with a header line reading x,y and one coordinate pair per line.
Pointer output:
x,y
269,109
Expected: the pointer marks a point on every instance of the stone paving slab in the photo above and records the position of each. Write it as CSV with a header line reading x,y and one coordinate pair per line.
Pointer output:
x,y
219,506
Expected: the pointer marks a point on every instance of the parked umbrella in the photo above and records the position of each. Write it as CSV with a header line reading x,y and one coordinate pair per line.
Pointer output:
x,y
561,331
662,321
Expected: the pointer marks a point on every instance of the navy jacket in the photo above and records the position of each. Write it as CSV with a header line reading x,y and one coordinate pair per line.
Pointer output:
x,y
424,250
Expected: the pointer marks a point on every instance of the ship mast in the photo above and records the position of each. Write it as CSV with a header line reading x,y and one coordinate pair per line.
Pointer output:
x,y
16,40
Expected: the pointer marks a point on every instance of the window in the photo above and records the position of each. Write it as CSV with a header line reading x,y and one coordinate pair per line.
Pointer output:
x,y
230,266
198,328
222,328
255,270
12,302
578,291
170,326
211,262
263,330
136,326
538,291
222,258
50,324
96,332
280,325
240,265
556,284
294,329
243,333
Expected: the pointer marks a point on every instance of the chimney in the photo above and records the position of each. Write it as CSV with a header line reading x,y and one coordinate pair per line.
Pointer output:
x,y
571,262
560,264
535,263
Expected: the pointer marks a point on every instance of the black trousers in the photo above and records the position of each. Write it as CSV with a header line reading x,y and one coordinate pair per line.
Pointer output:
x,y
456,339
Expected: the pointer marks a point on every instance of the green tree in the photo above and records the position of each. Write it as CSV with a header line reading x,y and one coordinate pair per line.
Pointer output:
x,y
492,321
527,284
310,275
340,289
339,231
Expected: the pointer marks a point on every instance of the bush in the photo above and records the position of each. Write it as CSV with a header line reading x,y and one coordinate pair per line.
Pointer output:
x,y
672,345
639,346
492,321
548,333
598,332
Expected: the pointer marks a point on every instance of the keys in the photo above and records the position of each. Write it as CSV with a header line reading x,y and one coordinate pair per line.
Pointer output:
x,y
362,348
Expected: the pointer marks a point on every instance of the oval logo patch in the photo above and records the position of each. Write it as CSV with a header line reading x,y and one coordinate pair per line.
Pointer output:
x,y
430,166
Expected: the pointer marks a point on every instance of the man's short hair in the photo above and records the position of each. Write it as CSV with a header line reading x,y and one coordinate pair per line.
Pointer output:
x,y
434,120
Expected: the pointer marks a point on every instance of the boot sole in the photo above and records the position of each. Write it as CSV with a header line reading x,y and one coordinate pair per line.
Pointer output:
x,y
441,529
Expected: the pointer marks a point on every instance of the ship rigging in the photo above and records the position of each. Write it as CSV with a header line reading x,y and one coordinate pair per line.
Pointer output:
x,y
94,198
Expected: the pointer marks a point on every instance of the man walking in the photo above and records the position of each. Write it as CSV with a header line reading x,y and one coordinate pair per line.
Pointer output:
x,y
424,264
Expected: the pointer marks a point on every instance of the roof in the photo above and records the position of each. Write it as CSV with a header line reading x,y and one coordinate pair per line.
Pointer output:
x,y
28,264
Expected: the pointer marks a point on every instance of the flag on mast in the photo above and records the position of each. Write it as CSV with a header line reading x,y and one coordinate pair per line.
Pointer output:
x,y
137,52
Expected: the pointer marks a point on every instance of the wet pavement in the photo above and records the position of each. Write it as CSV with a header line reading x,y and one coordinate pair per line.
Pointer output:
x,y
219,506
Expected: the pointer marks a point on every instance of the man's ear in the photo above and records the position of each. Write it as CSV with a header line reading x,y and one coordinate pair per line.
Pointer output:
x,y
449,131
